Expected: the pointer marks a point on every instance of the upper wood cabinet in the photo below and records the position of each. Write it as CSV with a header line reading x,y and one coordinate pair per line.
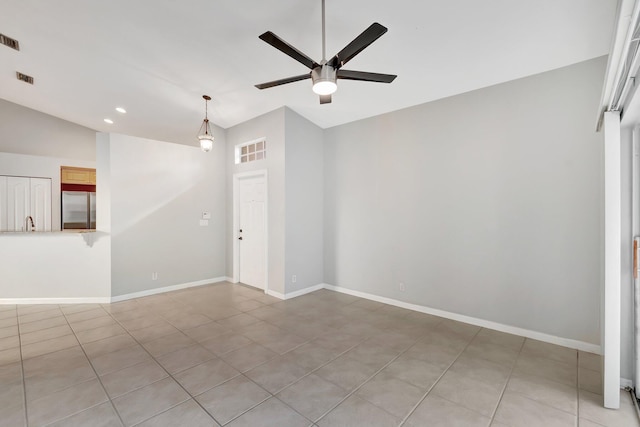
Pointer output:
x,y
73,175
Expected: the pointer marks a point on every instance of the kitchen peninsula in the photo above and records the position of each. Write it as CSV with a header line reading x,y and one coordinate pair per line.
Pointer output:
x,y
34,262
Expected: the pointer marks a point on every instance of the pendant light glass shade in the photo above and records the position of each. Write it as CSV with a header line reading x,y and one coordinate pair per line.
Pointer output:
x,y
204,135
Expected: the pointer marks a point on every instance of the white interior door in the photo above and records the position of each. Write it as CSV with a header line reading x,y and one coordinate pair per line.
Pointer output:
x,y
41,203
251,231
17,203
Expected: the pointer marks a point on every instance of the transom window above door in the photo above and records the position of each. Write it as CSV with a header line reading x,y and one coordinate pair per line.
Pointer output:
x,y
251,151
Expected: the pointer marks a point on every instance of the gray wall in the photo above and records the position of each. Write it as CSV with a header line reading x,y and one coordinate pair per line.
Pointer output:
x,y
304,196
487,204
271,126
26,131
158,192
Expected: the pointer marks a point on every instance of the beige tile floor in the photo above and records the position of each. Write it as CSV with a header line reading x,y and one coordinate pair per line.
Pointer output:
x,y
229,355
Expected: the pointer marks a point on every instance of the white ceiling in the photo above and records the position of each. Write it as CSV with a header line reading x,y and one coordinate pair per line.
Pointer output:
x,y
157,58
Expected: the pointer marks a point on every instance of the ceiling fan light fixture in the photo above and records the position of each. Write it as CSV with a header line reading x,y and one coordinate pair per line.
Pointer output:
x,y
324,80
205,135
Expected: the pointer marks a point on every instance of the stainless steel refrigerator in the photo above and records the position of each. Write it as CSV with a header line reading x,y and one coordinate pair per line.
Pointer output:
x,y
78,210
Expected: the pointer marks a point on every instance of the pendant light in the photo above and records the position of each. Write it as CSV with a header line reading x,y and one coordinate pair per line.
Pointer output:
x,y
204,135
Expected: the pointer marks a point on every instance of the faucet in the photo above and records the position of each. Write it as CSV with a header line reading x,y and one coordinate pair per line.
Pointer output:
x,y
33,226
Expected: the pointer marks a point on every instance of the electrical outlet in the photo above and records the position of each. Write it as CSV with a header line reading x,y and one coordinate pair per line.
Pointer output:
x,y
294,279
154,275
401,286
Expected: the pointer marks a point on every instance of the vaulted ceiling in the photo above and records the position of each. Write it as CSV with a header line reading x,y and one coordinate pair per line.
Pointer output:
x,y
156,58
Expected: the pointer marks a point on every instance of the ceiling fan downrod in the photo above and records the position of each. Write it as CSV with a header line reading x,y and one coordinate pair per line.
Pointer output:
x,y
324,37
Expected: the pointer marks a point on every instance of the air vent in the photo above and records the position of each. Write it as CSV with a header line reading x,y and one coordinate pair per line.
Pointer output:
x,y
8,41
24,77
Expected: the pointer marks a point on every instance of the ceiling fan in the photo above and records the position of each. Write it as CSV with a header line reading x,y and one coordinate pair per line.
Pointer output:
x,y
326,73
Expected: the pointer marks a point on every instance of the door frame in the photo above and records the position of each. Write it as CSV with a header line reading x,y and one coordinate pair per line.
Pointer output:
x,y
635,233
611,305
237,177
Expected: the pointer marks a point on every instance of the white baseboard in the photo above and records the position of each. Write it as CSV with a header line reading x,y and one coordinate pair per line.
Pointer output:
x,y
565,342
275,294
304,291
297,293
168,289
87,300
625,382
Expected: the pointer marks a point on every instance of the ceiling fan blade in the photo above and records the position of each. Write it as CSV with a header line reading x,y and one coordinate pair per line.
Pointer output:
x,y
358,44
325,99
283,81
287,49
366,77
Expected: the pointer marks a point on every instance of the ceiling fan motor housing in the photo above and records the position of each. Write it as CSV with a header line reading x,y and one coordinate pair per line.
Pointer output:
x,y
324,79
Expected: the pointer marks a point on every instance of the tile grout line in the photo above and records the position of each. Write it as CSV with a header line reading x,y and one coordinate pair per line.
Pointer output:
x,y
63,388
267,361
224,382
577,414
94,371
373,375
406,417
90,363
367,379
169,375
295,381
513,367
578,388
242,373
43,329
24,383
192,397
273,395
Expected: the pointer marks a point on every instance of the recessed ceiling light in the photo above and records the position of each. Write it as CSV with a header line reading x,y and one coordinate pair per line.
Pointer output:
x,y
108,121
121,110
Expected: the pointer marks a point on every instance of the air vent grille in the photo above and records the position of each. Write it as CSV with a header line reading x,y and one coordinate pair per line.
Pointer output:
x,y
24,77
8,41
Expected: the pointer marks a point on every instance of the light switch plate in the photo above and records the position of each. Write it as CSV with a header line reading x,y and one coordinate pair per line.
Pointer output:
x,y
206,215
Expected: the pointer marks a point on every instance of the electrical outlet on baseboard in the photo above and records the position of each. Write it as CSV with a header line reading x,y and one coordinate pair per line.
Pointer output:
x,y
154,275
294,278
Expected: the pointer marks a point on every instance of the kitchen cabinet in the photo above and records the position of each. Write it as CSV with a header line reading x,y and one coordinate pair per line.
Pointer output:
x,y
18,203
74,175
40,207
23,197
